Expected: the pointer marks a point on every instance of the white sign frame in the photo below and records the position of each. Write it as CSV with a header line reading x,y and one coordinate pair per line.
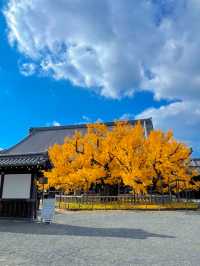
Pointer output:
x,y
17,186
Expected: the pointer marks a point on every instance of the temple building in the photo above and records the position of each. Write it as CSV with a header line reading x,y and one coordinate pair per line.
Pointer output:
x,y
22,164
195,164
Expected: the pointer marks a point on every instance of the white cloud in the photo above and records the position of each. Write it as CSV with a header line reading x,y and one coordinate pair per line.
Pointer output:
x,y
27,69
127,116
182,117
56,124
86,118
113,47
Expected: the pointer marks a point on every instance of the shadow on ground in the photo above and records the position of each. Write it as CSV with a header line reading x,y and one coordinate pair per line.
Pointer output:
x,y
21,227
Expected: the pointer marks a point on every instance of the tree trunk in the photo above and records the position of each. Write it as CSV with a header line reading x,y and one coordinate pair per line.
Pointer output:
x,y
118,188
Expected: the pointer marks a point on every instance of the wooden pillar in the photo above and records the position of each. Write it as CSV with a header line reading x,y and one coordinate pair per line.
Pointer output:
x,y
33,196
1,192
32,188
1,185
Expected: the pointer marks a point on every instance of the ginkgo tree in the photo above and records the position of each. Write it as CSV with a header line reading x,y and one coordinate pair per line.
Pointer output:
x,y
169,160
120,155
128,149
73,166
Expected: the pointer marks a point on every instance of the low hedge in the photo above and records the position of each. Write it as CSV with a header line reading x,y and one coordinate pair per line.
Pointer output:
x,y
124,206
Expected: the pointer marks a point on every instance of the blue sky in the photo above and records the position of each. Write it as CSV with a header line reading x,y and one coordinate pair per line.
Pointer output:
x,y
60,63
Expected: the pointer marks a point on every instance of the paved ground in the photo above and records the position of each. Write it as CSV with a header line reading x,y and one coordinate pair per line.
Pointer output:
x,y
104,238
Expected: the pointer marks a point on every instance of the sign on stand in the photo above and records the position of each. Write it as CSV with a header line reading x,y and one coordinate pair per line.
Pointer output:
x,y
48,210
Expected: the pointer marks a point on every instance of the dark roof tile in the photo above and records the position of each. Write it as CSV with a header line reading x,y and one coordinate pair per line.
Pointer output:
x,y
195,162
23,160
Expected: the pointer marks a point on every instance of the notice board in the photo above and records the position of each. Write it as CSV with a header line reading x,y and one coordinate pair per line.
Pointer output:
x,y
48,210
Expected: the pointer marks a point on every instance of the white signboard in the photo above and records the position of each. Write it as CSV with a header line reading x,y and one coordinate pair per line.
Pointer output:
x,y
48,210
17,186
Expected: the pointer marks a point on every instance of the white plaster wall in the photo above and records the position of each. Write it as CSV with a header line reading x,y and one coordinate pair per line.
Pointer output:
x,y
17,186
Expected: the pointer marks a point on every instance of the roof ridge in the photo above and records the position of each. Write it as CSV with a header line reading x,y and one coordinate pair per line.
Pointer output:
x,y
33,130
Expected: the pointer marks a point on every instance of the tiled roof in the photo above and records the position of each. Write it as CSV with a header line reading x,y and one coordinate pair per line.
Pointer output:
x,y
31,150
23,160
40,139
195,163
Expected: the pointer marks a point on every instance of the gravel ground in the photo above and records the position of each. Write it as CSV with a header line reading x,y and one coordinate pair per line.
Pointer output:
x,y
104,238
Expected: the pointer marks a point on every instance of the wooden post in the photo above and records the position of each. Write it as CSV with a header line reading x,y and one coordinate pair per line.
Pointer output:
x,y
1,192
33,197
1,185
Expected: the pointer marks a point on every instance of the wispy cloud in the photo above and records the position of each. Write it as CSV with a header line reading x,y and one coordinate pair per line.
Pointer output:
x,y
27,69
182,117
86,118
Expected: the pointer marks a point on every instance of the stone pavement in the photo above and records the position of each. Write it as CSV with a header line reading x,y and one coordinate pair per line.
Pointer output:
x,y
104,238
